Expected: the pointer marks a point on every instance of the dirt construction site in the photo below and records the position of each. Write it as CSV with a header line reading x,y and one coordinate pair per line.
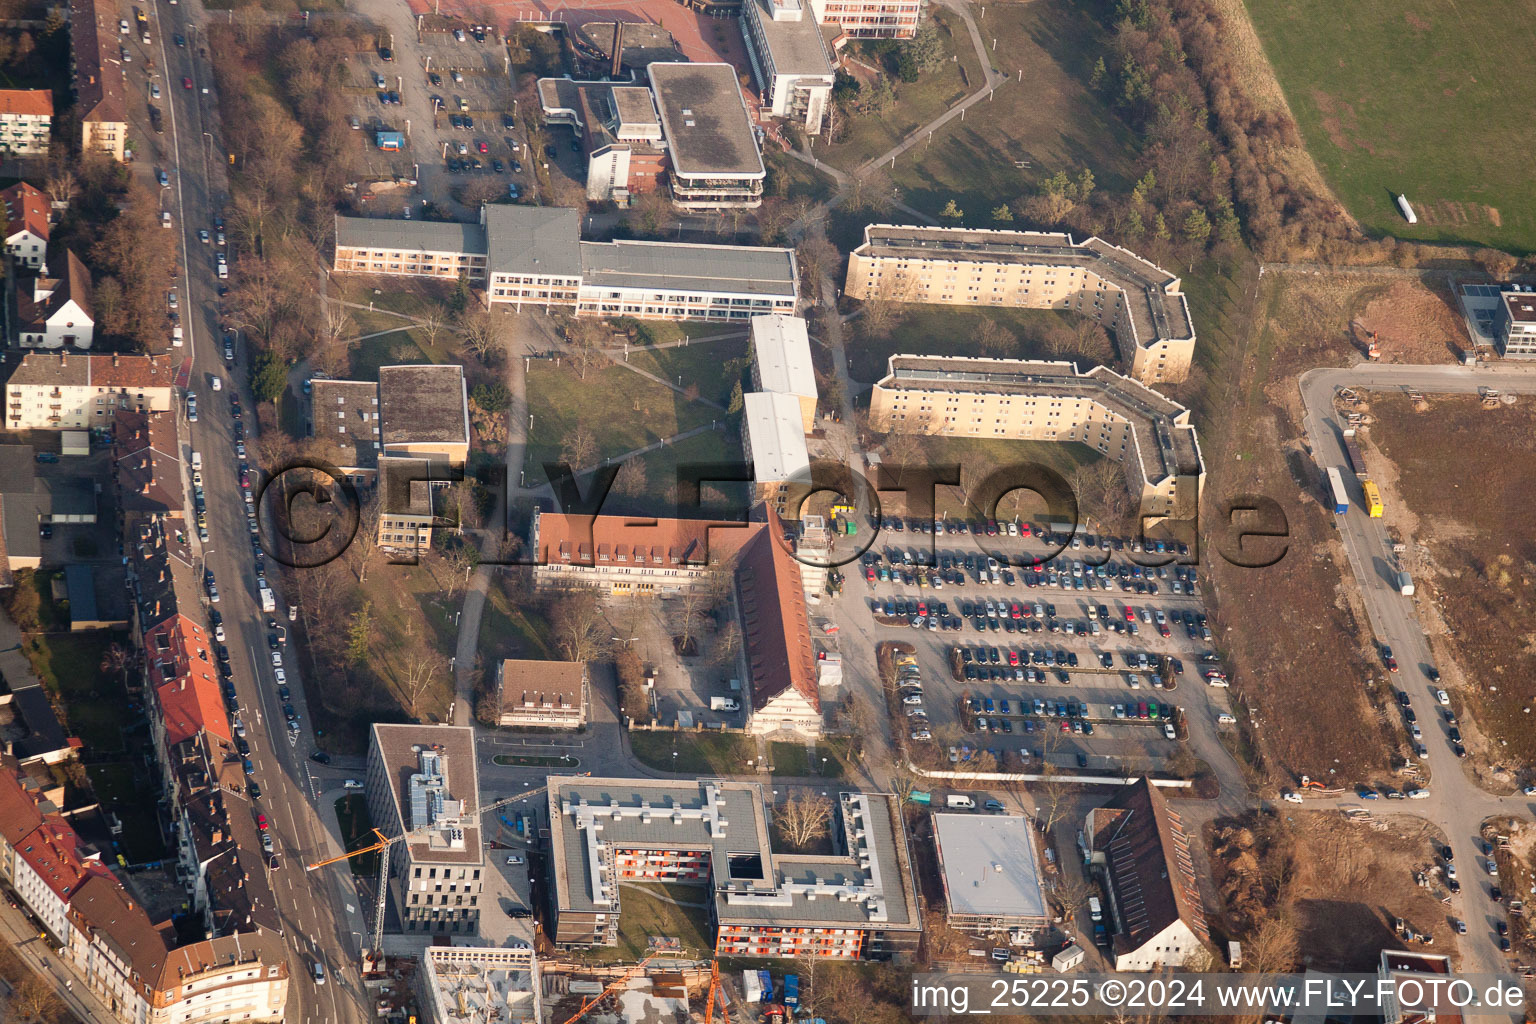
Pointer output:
x,y
1458,477
1293,630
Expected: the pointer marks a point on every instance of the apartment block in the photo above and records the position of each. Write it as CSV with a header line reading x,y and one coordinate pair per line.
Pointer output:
x,y
789,60
532,255
1148,434
858,902
75,392
26,121
422,779
1140,303
98,77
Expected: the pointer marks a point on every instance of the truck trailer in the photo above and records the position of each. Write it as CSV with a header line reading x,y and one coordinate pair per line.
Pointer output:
x,y
1356,456
1336,490
1372,499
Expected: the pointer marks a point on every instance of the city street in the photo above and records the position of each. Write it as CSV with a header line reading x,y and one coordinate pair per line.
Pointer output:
x,y
317,923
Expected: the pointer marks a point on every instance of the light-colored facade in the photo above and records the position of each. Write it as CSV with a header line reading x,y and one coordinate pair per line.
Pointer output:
x,y
870,19
75,392
789,60
713,162
781,362
532,255
410,248
621,556
542,694
991,874
422,780
857,903
27,226
1136,300
1016,399
620,132
98,77
58,311
242,977
1514,323
773,441
26,121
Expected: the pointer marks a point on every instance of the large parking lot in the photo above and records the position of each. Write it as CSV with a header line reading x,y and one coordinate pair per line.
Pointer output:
x,y
450,94
1042,653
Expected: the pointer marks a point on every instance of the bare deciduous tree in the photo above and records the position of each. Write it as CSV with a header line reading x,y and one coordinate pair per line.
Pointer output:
x,y
431,324
630,480
993,338
62,186
484,334
580,629
804,819
578,449
417,676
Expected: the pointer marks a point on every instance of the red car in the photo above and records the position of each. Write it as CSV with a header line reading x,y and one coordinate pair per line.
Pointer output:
x,y
1130,614
482,147
186,83
922,607
1024,530
261,822
1013,658
869,574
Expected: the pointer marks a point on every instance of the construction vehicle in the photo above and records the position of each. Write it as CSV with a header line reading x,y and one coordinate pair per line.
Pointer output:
x,y
383,843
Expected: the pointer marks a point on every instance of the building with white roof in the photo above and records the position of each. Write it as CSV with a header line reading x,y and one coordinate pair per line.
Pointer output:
x,y
990,871
781,362
774,443
789,60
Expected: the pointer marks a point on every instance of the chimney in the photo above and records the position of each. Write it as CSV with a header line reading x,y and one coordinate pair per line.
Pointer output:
x,y
618,49
114,358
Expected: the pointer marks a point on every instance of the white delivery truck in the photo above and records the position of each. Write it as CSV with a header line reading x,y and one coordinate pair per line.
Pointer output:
x,y
197,461
268,602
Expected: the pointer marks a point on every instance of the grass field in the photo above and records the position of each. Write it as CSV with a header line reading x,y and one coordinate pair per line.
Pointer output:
x,y
698,753
702,365
916,102
1046,121
646,913
948,331
1417,97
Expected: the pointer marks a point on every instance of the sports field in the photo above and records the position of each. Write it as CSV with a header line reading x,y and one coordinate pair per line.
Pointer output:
x,y
1429,98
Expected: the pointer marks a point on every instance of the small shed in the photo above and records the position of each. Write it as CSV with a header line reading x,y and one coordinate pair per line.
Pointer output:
x,y
389,142
1067,958
75,442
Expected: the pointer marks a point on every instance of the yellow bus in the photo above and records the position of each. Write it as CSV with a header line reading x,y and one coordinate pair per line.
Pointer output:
x,y
1372,499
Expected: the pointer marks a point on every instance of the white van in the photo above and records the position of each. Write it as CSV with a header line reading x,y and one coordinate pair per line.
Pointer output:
x,y
960,801
351,784
319,973
1095,912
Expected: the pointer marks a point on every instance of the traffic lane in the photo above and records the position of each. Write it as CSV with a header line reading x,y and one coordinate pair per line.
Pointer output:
x,y
21,936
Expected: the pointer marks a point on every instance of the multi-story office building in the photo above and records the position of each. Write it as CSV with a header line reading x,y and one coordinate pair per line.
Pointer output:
x,y
542,694
422,782
100,89
713,162
1514,323
410,248
856,903
789,60
870,19
75,392
532,255
26,121
1149,435
1136,300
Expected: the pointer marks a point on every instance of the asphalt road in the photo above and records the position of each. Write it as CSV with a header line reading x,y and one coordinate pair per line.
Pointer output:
x,y
1455,803
315,922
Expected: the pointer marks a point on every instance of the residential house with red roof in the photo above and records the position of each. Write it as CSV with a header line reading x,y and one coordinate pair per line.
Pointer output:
x,y
26,225
26,121
68,391
48,871
624,555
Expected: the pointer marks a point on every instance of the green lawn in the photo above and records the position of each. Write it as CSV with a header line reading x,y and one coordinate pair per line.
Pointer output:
x,y
789,178
397,295
982,454
703,365
372,353
1046,122
119,789
713,448
356,832
1417,97
70,666
917,102
642,915
934,330
698,753
623,410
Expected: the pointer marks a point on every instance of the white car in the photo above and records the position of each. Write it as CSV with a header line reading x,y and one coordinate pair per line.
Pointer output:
x,y
515,858
277,659
218,383
122,26
1291,798
1529,791
218,632
351,784
280,676
1442,697
1226,719
1450,871
239,728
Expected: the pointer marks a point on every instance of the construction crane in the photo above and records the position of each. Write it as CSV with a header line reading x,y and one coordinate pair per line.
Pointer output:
x,y
716,987
382,844
614,984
